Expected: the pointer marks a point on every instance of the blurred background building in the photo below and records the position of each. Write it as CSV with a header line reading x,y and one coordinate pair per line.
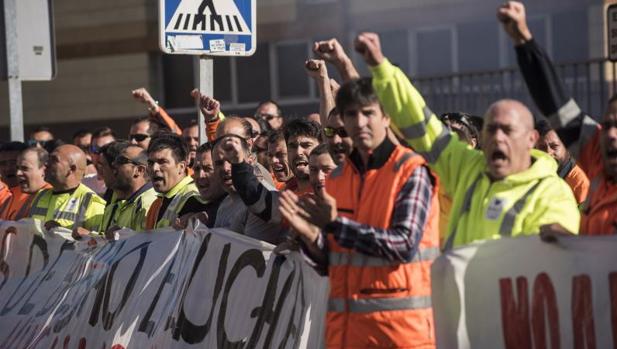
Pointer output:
x,y
454,50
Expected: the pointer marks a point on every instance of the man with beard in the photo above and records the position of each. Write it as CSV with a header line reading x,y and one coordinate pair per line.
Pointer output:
x,y
69,203
594,145
568,170
167,161
31,178
301,136
339,143
507,189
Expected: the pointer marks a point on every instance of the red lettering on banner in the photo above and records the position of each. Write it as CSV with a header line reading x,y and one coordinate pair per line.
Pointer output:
x,y
67,339
82,343
612,279
544,307
582,313
117,346
515,315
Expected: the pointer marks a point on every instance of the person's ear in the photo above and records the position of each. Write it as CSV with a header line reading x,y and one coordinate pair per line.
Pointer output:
x,y
533,138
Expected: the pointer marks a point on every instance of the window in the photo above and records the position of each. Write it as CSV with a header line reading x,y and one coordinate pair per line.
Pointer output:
x,y
253,77
292,80
434,52
478,46
395,46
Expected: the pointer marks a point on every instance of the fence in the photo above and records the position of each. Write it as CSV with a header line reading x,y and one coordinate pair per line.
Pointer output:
x,y
590,83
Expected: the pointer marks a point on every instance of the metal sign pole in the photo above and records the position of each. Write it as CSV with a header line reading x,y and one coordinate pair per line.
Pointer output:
x,y
14,81
205,84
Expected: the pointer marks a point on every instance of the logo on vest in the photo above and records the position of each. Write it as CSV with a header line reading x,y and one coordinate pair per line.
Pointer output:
x,y
494,208
72,204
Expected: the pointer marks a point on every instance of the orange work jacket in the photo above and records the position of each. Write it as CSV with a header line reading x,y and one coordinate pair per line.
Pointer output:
x,y
599,216
5,196
19,206
374,302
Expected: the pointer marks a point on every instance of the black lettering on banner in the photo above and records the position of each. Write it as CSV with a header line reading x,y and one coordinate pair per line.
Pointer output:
x,y
104,286
190,332
294,330
268,312
253,258
45,274
147,325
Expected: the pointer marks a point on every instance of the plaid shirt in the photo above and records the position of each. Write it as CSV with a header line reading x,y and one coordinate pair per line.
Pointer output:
x,y
398,242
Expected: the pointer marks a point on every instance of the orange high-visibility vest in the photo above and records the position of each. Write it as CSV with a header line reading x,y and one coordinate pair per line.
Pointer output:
x,y
374,302
599,211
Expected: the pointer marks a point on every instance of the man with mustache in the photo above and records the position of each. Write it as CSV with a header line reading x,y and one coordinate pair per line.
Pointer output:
x,y
278,159
507,189
594,145
321,164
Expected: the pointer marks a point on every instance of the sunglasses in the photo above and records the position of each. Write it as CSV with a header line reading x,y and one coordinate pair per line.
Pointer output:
x,y
123,160
138,137
331,131
33,142
608,124
267,116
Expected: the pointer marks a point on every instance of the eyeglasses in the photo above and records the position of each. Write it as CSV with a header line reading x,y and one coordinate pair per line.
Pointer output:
x,y
608,124
139,137
34,142
123,160
267,116
95,149
331,131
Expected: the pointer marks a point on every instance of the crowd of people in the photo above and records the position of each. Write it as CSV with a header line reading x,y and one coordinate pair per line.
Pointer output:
x,y
371,188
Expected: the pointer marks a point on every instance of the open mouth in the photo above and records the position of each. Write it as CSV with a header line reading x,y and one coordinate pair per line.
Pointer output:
x,y
278,168
338,149
498,155
227,179
611,154
301,164
157,179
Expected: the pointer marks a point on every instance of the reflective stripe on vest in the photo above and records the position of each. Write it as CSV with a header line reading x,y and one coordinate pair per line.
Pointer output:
x,y
362,260
439,146
23,210
508,220
419,129
170,214
368,305
39,211
79,217
593,187
466,207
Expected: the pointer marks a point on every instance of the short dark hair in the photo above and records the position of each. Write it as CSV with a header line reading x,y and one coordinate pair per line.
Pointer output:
x,y
153,125
82,132
543,127
356,92
170,141
320,149
42,129
276,136
206,147
110,151
41,154
468,122
302,127
13,146
279,112
103,132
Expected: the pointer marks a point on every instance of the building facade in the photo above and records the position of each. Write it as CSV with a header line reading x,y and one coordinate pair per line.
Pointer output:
x,y
107,48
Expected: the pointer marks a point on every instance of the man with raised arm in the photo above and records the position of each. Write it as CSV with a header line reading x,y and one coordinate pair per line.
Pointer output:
x,y
593,145
507,189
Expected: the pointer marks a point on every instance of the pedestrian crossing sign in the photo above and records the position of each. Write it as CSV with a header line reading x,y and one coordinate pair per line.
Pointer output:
x,y
208,27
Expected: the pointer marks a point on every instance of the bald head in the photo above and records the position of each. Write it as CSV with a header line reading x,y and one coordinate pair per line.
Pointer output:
x,y
508,137
74,155
513,109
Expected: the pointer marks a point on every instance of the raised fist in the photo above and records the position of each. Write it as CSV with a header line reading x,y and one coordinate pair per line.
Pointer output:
x,y
512,17
367,45
330,51
143,96
316,68
208,106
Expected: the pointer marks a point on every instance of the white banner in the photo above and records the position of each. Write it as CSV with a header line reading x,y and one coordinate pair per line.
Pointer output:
x,y
163,289
524,293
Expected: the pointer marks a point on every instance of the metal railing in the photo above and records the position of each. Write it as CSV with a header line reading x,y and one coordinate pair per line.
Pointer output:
x,y
590,83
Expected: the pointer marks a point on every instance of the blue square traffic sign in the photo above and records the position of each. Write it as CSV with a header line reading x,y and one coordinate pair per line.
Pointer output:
x,y
210,27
